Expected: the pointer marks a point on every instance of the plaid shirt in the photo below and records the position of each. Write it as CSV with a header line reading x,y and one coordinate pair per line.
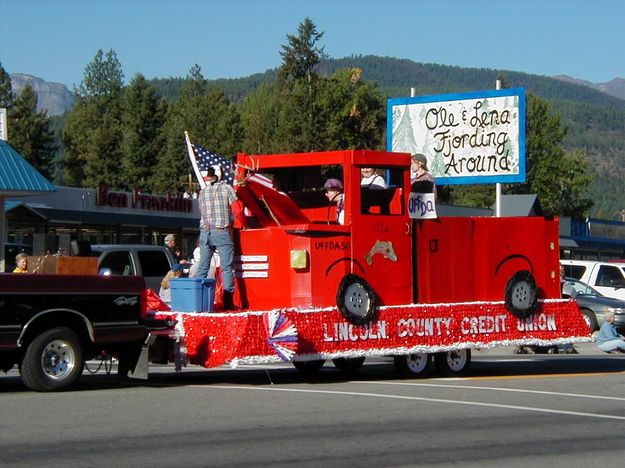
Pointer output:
x,y
215,200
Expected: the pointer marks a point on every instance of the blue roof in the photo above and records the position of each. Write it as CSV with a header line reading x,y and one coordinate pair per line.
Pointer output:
x,y
17,176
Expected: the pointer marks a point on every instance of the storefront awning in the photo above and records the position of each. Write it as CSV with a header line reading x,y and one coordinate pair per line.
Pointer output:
x,y
114,219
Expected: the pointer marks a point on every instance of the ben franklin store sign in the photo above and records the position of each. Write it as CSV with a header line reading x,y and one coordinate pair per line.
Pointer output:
x,y
470,138
143,201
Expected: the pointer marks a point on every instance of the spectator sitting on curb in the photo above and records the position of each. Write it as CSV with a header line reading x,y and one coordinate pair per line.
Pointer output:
x,y
608,339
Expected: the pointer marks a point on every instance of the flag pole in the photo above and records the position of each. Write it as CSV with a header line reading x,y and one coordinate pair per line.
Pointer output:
x,y
193,160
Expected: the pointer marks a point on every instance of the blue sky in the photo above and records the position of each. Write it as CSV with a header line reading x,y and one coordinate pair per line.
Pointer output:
x,y
55,40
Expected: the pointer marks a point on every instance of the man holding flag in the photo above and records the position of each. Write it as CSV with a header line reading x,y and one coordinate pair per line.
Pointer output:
x,y
215,214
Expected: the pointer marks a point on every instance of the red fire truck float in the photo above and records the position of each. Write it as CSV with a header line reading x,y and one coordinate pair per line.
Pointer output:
x,y
423,291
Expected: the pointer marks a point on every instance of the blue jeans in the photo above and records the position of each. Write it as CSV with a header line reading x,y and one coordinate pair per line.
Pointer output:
x,y
612,345
220,240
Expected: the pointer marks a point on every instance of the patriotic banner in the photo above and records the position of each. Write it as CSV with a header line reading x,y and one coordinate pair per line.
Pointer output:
x,y
213,339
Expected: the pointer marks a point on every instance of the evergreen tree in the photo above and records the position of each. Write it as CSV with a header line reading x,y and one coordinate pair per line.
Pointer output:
x,y
31,133
103,76
354,110
6,92
206,114
259,113
142,118
301,127
92,134
301,54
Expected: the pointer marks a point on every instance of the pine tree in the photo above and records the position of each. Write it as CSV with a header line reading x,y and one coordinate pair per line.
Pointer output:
x,y
143,116
31,134
206,114
92,134
301,127
6,92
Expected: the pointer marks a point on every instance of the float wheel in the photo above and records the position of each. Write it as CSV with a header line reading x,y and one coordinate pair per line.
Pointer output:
x,y
356,300
453,363
521,294
415,366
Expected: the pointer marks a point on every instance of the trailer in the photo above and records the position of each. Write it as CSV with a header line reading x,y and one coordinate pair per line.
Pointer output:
x,y
381,284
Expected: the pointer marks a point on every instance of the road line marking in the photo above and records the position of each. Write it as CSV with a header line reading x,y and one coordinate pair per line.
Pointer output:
x,y
496,389
540,376
413,398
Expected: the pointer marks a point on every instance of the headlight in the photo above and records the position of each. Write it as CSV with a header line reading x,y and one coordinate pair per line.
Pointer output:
x,y
615,310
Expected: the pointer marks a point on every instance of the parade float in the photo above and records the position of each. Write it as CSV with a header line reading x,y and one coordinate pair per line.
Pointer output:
x,y
425,291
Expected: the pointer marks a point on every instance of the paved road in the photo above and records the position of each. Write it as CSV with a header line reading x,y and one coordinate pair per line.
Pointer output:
x,y
512,410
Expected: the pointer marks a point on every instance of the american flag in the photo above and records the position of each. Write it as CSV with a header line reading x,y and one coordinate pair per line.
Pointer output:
x,y
206,159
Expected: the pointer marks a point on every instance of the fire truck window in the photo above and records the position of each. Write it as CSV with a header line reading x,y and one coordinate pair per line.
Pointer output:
x,y
381,192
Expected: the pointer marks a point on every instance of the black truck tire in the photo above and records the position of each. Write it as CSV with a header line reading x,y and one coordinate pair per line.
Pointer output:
x,y
356,300
454,363
521,295
348,364
309,367
53,360
414,366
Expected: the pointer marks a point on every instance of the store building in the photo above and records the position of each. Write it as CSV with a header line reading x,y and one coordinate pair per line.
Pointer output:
x,y
49,222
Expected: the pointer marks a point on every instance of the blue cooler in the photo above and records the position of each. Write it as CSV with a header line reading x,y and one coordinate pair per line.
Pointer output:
x,y
192,294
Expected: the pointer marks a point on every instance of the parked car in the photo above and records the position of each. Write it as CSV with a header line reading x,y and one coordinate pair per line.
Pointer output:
x,y
11,250
150,261
593,304
606,277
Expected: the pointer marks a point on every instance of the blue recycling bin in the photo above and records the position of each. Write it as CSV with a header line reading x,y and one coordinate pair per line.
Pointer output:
x,y
192,294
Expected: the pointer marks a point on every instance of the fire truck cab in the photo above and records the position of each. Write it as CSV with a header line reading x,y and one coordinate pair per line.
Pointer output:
x,y
292,253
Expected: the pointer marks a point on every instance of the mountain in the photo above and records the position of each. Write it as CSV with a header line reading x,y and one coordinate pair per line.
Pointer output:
x,y
594,114
55,98
615,87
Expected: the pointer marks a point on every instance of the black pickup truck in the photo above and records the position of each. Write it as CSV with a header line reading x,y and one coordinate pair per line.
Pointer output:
x,y
51,324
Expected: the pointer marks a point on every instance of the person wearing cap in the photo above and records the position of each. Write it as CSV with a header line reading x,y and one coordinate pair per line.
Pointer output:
x,y
165,291
170,243
420,179
215,213
334,193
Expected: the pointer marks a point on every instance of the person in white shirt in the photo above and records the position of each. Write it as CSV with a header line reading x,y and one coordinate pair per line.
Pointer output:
x,y
371,179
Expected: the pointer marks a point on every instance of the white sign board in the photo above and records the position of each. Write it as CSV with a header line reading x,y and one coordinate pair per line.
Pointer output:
x,y
469,138
3,125
422,205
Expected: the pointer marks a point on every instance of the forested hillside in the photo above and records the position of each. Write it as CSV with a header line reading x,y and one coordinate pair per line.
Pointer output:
x,y
595,120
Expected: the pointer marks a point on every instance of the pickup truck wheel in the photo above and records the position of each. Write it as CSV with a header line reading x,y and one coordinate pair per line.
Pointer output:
x,y
415,366
53,360
356,300
453,363
590,319
348,364
309,367
521,294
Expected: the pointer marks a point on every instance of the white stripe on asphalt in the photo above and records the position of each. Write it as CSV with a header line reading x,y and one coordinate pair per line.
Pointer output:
x,y
411,398
497,389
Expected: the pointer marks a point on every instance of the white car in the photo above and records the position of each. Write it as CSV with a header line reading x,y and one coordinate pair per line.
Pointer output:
x,y
606,277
